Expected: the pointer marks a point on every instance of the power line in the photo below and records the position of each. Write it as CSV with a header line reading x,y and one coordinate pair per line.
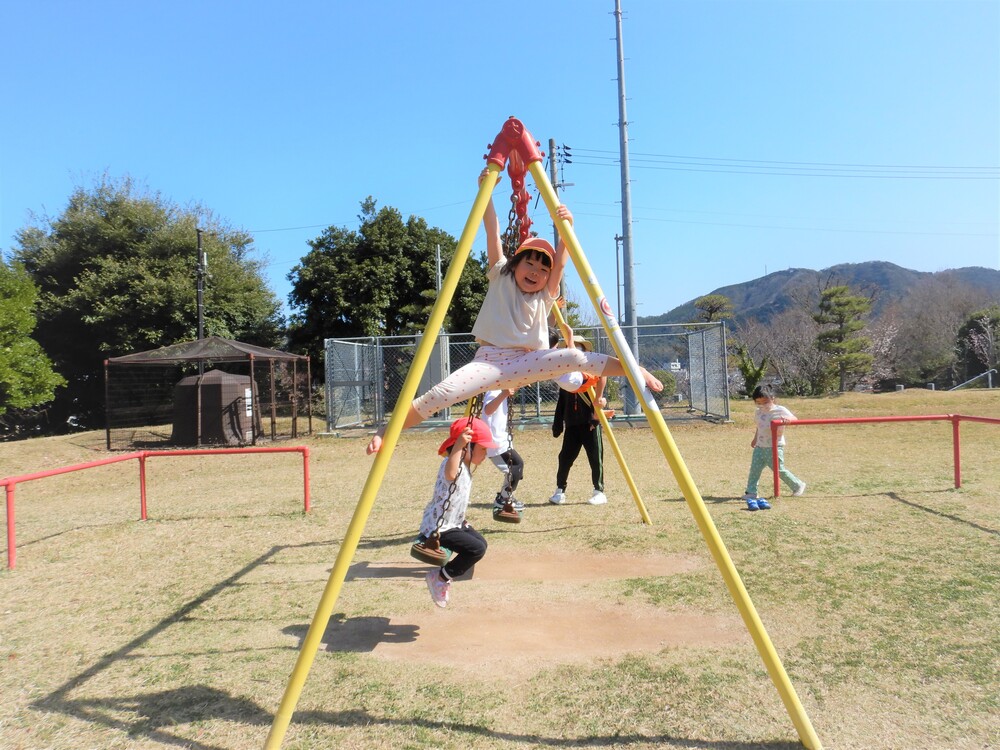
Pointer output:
x,y
710,164
799,163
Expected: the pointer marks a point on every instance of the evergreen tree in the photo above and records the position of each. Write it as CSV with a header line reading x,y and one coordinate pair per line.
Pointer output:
x,y
26,375
116,274
380,280
844,313
713,307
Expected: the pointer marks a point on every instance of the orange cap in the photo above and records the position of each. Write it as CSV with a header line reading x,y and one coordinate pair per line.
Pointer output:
x,y
537,244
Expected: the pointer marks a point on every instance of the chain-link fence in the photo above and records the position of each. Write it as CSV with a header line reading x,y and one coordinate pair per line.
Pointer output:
x,y
364,376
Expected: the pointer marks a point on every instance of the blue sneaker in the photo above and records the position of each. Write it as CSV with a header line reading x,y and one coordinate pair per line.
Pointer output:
x,y
763,504
751,501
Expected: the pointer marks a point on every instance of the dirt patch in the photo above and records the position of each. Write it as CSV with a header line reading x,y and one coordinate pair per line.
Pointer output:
x,y
494,630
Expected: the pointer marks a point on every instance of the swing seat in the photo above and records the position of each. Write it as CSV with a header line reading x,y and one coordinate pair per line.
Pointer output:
x,y
507,514
436,557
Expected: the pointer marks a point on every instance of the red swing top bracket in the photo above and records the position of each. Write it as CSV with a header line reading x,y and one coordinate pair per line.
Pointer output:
x,y
516,148
515,143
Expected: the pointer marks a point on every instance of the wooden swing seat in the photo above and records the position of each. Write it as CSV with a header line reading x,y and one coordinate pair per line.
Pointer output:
x,y
507,514
436,556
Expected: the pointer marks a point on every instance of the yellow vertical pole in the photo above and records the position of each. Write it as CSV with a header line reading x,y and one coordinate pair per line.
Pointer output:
x,y
561,321
307,653
696,504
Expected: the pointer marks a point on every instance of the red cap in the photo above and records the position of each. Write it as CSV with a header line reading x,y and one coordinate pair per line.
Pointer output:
x,y
481,434
537,244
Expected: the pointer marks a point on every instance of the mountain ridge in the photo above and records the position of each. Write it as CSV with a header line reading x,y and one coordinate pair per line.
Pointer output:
x,y
764,297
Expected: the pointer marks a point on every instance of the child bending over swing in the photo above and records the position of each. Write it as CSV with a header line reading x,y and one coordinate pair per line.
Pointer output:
x,y
496,414
466,446
512,328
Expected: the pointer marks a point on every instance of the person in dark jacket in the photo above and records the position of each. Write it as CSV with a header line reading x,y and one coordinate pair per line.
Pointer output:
x,y
575,419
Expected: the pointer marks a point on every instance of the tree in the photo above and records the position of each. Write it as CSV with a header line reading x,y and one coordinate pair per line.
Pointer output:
x,y
788,341
116,274
844,313
752,372
883,335
979,342
713,307
929,320
26,376
380,280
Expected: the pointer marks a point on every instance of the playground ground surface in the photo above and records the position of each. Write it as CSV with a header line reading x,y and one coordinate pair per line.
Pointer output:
x,y
582,628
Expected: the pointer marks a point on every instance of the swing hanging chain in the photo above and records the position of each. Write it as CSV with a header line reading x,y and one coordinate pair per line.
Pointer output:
x,y
511,237
510,443
433,542
518,221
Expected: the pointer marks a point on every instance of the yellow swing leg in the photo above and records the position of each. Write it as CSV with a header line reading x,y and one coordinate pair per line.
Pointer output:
x,y
310,645
696,504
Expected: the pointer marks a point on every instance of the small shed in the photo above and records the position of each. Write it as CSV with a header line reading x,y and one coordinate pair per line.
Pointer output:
x,y
215,408
211,390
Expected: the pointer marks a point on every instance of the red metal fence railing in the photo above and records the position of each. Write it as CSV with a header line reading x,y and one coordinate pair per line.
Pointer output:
x,y
11,482
955,419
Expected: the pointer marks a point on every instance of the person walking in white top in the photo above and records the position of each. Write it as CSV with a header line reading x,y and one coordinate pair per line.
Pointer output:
x,y
767,411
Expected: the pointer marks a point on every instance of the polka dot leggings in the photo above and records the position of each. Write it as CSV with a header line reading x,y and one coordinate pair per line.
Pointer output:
x,y
494,367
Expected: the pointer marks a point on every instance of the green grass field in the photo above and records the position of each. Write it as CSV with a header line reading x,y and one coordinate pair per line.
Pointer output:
x,y
879,590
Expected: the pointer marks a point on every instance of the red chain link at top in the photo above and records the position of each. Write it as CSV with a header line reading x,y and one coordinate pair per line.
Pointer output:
x,y
515,147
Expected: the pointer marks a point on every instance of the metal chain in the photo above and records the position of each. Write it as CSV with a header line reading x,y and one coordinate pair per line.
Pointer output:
x,y
434,540
518,221
512,235
510,443
476,407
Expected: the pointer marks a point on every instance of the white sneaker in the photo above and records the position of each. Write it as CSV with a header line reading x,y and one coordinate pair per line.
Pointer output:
x,y
598,498
800,490
439,589
558,497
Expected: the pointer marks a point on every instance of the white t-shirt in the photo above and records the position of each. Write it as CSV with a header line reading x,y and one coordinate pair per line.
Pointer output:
x,y
509,318
497,422
764,416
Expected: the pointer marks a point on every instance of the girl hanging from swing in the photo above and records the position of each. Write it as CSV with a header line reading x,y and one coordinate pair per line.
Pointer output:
x,y
512,328
444,517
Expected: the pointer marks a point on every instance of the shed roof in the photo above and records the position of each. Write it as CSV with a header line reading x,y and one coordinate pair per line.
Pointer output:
x,y
211,348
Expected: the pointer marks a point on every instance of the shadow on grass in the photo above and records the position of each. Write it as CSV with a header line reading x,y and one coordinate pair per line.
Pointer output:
x,y
164,519
381,542
709,499
159,713
365,570
357,634
151,715
56,534
939,514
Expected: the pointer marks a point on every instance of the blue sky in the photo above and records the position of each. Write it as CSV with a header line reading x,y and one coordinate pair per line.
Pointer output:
x,y
765,135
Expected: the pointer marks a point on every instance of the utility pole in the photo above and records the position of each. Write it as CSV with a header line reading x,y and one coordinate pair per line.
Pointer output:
x,y
555,187
618,273
201,289
557,184
631,403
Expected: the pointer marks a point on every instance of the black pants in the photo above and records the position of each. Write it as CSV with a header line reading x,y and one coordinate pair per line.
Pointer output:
x,y
469,548
515,467
574,438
